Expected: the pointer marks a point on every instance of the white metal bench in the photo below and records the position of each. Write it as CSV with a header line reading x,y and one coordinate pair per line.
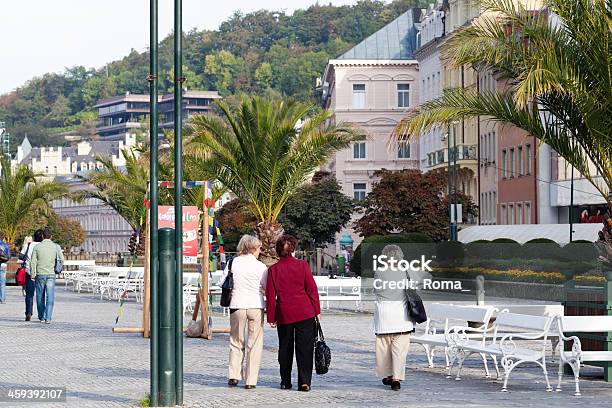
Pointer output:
x,y
534,328
339,289
576,356
441,317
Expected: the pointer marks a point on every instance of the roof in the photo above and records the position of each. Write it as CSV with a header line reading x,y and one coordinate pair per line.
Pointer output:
x,y
395,41
523,233
123,98
193,94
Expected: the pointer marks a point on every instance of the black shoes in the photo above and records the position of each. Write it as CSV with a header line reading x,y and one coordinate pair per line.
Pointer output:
x,y
232,382
387,380
395,385
249,387
28,318
286,386
304,387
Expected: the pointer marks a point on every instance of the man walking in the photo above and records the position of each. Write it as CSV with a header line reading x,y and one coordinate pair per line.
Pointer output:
x,y
43,265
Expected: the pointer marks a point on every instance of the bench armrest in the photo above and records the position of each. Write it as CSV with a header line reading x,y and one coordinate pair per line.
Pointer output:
x,y
576,347
457,335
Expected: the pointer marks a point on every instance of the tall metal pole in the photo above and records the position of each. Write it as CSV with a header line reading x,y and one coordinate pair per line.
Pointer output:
x,y
571,207
450,197
153,147
178,193
456,186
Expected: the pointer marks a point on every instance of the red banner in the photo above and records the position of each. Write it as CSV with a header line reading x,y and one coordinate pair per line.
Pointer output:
x,y
190,229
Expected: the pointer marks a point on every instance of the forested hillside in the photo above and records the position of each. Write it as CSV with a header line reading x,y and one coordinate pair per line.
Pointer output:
x,y
255,53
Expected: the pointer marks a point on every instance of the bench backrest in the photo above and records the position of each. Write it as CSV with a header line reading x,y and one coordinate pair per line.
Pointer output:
x,y
439,311
523,321
586,324
535,310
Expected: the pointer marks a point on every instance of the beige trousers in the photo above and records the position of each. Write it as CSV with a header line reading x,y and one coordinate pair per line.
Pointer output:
x,y
391,352
246,346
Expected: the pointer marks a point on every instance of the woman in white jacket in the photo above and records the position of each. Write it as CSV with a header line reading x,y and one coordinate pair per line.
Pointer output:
x,y
246,312
392,324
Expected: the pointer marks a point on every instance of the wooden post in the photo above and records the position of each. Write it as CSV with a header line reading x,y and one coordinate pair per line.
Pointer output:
x,y
203,295
146,312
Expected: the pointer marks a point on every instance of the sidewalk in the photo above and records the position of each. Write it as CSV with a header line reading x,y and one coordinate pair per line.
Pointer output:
x,y
101,369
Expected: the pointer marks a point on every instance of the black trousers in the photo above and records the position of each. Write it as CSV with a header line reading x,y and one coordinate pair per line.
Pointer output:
x,y
302,335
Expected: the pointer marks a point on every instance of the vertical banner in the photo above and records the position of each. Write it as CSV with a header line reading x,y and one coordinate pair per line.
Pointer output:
x,y
190,229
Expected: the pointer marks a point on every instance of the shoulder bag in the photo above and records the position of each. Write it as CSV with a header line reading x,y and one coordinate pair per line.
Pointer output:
x,y
227,286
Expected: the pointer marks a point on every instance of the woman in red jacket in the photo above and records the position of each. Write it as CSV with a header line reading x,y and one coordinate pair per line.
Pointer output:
x,y
292,302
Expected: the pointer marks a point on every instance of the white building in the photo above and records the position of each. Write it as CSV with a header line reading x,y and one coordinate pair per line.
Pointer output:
x,y
373,86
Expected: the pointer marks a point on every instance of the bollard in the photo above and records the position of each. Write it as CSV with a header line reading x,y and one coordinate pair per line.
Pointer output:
x,y
480,291
167,323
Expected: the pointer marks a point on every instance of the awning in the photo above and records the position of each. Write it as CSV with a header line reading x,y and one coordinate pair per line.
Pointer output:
x,y
526,232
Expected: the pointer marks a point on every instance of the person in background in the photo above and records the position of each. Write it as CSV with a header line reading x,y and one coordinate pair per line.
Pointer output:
x,y
292,302
30,287
42,272
246,312
6,254
392,324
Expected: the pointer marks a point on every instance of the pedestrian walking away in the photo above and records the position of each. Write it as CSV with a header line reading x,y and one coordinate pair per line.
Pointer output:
x,y
5,256
246,312
392,323
292,302
45,258
29,244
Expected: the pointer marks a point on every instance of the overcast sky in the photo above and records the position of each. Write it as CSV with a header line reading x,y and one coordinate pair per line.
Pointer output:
x,y
39,36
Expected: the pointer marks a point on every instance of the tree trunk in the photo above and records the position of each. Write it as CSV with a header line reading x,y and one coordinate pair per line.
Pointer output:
x,y
268,233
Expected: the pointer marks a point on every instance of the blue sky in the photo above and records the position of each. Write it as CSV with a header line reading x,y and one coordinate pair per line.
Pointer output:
x,y
39,36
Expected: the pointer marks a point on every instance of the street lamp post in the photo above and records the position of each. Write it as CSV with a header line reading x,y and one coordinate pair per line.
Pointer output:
x,y
455,173
178,195
153,252
452,184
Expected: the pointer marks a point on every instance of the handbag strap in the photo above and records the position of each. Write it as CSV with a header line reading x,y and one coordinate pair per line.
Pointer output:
x,y
319,330
25,256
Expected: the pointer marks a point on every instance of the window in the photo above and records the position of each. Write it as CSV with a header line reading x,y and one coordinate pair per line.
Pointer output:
x,y
403,95
495,207
359,150
504,214
527,213
359,191
519,213
403,149
359,96
440,156
504,168
528,158
511,164
492,148
520,160
511,214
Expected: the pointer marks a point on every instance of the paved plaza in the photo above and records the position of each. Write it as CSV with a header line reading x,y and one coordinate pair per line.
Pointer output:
x,y
101,369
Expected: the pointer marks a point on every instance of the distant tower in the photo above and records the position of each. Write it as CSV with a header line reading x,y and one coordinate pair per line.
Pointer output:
x,y
5,139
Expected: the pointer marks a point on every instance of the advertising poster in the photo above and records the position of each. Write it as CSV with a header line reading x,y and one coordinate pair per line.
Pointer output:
x,y
190,229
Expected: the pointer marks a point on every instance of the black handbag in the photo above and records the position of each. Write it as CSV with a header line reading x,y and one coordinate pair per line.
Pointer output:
x,y
227,286
322,352
416,309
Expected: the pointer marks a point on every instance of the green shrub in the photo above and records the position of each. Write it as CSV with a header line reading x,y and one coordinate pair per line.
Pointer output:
x,y
541,248
579,251
505,248
478,249
450,254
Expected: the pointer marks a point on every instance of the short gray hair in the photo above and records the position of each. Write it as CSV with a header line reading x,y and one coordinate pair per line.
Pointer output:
x,y
393,251
248,244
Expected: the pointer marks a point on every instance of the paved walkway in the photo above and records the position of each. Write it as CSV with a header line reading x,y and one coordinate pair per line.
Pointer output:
x,y
101,369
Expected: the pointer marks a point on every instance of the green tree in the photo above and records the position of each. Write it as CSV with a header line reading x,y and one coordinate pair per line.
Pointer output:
x,y
21,193
559,76
316,212
257,153
235,219
224,69
264,75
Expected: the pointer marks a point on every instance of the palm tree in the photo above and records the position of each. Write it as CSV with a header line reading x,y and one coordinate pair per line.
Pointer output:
x,y
558,75
263,151
22,194
124,190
